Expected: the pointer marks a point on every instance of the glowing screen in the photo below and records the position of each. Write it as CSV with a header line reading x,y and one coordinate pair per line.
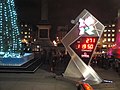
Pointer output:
x,y
86,44
84,47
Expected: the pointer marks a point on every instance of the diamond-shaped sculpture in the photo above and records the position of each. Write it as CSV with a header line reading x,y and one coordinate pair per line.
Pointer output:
x,y
80,43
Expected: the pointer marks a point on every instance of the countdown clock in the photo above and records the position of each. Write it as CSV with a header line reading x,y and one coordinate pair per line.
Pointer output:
x,y
84,47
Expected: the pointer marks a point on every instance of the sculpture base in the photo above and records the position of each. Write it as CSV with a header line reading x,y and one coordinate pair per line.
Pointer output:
x,y
16,61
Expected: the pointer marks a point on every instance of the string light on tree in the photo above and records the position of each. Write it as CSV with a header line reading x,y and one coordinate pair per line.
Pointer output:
x,y
10,40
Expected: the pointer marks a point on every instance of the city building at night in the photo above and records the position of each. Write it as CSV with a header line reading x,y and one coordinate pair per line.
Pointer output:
x,y
108,37
26,33
115,51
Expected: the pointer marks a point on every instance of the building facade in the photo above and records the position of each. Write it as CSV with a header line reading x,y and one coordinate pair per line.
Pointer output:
x,y
27,37
26,33
108,38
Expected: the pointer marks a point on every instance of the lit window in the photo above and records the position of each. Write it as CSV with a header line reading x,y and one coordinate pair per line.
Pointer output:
x,y
109,45
105,30
109,25
109,30
113,35
25,32
36,49
38,46
104,46
109,39
104,40
113,39
113,30
34,40
28,36
21,25
105,35
25,25
113,25
21,32
25,36
108,35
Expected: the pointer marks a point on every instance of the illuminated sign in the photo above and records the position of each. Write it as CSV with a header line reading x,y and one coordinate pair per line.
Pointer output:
x,y
84,47
86,43
86,25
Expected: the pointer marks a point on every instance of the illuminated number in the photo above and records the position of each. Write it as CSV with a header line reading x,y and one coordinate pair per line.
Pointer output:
x,y
94,40
90,40
78,46
84,46
90,46
87,40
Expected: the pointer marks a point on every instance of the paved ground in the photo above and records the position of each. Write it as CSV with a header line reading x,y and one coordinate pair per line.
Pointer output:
x,y
43,80
109,74
40,80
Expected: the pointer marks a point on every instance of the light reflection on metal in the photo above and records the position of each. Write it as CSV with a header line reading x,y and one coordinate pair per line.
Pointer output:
x,y
77,67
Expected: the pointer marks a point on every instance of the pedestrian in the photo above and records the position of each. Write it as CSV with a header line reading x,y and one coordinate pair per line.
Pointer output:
x,y
43,56
116,65
78,86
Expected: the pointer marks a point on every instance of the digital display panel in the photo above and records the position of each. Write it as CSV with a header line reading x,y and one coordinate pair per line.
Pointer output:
x,y
84,47
86,43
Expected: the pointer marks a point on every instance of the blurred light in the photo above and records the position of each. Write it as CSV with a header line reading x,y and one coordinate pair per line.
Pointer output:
x,y
54,42
38,46
34,40
87,86
103,51
24,41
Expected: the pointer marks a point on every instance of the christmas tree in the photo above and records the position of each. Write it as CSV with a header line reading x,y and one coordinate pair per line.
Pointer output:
x,y
10,40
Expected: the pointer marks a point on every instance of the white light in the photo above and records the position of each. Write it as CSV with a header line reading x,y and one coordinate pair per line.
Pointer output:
x,y
54,42
103,51
86,26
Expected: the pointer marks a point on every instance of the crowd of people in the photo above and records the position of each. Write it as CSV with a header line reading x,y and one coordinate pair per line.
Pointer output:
x,y
107,62
54,58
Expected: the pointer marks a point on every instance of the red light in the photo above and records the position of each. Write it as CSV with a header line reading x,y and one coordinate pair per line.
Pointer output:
x,y
87,43
94,40
87,46
87,86
78,46
84,46
90,46
90,40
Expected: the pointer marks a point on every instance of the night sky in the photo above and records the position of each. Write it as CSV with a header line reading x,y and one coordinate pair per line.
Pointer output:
x,y
62,11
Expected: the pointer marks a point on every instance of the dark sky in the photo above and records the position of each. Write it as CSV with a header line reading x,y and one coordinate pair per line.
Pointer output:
x,y
62,11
